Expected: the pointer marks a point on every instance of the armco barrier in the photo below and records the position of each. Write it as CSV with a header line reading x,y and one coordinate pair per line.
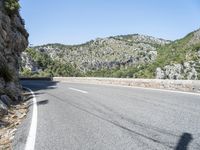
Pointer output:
x,y
181,85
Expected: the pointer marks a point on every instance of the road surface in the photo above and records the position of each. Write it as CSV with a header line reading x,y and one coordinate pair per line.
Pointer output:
x,y
75,116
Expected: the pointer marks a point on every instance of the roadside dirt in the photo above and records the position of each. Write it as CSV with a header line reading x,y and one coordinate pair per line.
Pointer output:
x,y
10,122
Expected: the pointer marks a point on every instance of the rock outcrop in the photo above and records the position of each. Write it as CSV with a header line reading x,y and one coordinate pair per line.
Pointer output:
x,y
28,63
185,61
13,40
187,70
3,109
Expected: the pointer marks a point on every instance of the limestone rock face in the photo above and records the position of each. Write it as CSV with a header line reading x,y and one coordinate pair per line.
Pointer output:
x,y
13,40
160,74
187,70
28,63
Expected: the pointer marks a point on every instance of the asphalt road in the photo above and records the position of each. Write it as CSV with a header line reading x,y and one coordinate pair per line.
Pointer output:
x,y
98,117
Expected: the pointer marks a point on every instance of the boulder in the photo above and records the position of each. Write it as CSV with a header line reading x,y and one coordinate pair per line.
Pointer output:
x,y
160,73
174,71
178,71
3,109
6,100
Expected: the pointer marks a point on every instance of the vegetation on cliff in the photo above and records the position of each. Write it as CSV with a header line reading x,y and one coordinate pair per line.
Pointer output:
x,y
13,40
5,71
11,6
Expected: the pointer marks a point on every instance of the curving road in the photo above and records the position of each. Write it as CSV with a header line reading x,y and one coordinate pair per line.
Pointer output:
x,y
98,117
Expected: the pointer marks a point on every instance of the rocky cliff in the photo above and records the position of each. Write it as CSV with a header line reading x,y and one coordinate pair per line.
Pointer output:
x,y
13,40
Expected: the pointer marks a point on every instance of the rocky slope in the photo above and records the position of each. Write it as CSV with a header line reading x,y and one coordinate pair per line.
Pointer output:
x,y
134,55
182,59
13,40
112,52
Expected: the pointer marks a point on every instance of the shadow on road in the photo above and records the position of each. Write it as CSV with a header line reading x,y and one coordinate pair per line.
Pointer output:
x,y
43,102
36,86
184,141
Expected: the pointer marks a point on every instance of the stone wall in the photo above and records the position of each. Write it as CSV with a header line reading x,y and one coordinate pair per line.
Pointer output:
x,y
13,40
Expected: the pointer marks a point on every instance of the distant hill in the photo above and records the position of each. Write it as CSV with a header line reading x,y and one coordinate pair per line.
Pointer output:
x,y
133,55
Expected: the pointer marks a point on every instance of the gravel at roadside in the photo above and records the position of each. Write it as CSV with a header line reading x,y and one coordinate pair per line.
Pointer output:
x,y
10,122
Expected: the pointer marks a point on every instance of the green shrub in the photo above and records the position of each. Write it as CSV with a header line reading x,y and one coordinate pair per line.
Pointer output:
x,y
11,6
49,67
25,72
5,72
117,74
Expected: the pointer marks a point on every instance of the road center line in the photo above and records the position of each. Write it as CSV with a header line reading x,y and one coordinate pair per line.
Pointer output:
x,y
85,92
30,142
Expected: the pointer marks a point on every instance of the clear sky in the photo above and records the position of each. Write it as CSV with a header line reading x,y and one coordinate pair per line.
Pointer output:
x,y
78,21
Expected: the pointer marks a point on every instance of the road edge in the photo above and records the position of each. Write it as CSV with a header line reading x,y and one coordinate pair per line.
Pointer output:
x,y
30,141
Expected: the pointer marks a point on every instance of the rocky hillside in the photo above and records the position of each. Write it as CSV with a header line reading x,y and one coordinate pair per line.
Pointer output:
x,y
107,53
180,59
112,52
13,40
134,55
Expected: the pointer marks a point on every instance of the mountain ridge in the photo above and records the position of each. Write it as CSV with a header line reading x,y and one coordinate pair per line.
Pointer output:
x,y
107,37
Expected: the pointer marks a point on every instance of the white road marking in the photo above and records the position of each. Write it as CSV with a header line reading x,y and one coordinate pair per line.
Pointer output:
x,y
30,142
85,92
145,88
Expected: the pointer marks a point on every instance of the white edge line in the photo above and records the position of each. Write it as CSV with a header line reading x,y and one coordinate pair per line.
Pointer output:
x,y
166,90
30,142
85,92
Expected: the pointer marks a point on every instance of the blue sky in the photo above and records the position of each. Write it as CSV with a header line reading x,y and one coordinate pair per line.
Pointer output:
x,y
78,21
